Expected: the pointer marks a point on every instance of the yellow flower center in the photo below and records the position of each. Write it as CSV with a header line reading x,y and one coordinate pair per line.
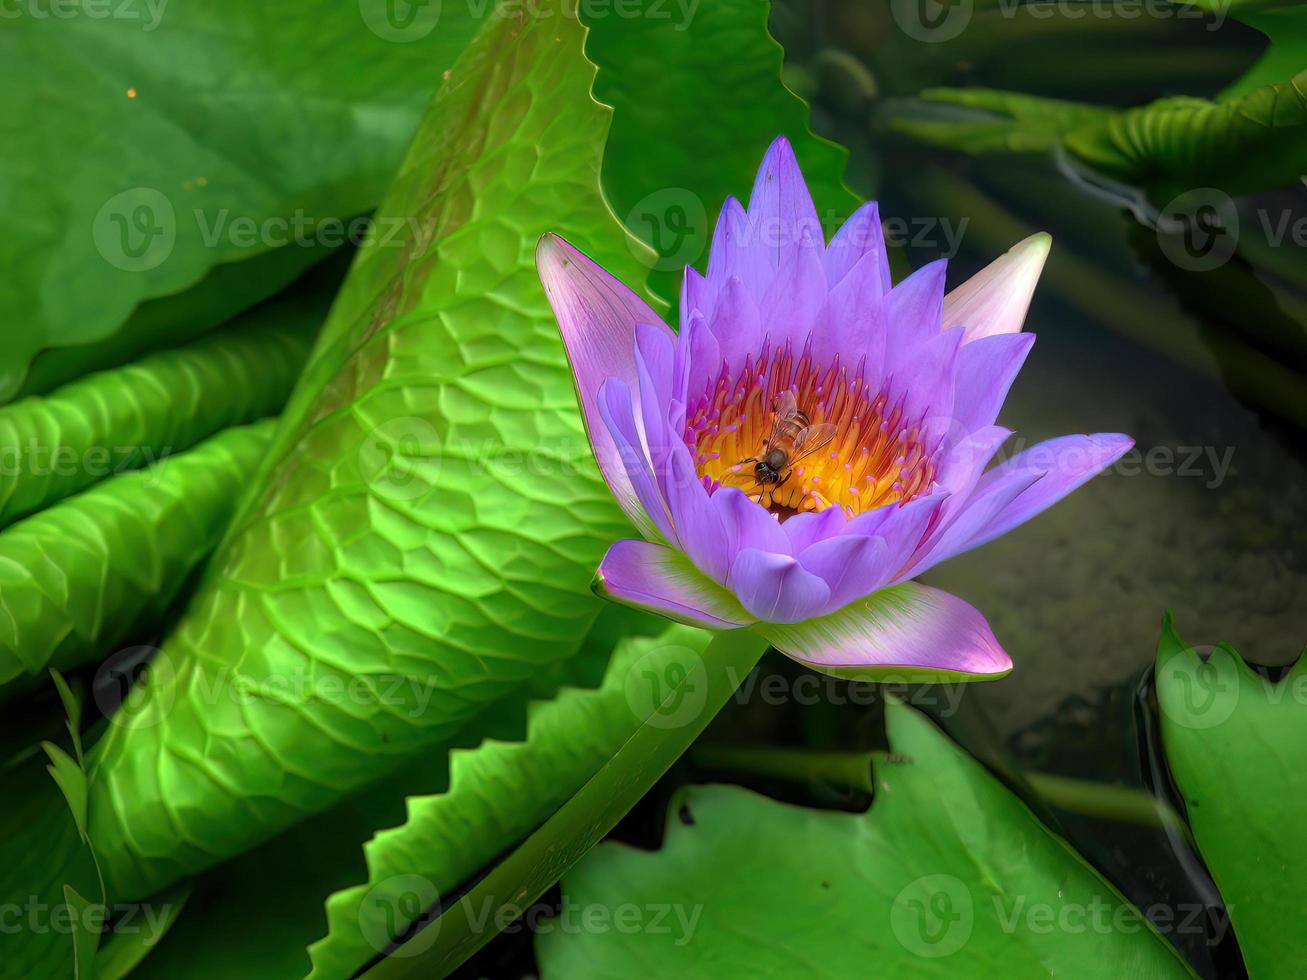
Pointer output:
x,y
875,456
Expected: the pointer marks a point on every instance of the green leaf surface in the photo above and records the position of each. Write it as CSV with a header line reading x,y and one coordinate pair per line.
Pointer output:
x,y
54,445
501,791
86,574
430,518
675,699
142,144
1236,744
697,99
947,875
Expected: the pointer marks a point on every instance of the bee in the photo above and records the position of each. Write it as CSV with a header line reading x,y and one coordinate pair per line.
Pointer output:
x,y
792,437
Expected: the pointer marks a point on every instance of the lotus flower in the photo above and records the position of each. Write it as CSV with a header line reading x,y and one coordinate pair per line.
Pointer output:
x,y
814,437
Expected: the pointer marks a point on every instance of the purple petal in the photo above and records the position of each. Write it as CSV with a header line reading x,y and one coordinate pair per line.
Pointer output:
x,y
617,418
805,530
859,237
996,298
754,526
596,316
851,565
985,372
736,252
708,540
958,534
736,324
782,219
910,631
924,379
795,298
656,578
1066,462
903,527
776,588
696,294
912,311
852,322
698,359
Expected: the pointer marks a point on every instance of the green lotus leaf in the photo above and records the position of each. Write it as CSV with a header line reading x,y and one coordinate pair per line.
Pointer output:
x,y
1236,744
947,875
84,575
105,424
160,169
423,538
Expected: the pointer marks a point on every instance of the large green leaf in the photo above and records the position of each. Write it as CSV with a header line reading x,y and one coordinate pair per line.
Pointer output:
x,y
108,423
947,875
431,516
1236,744
142,143
674,698
697,98
82,576
501,791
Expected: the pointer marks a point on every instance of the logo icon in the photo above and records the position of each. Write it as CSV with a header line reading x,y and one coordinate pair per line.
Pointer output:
x,y
668,687
1194,691
400,21
134,687
674,223
400,459
1199,230
932,21
136,230
391,908
933,916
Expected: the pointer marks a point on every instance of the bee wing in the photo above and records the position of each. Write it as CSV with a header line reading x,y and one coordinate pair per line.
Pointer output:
x,y
811,439
786,406
785,411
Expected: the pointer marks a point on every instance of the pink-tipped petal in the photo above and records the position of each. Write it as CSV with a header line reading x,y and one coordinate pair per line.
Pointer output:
x,y
996,298
596,316
907,632
661,580
1066,463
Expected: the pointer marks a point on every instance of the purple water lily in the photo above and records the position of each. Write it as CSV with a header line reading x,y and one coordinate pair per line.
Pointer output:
x,y
815,437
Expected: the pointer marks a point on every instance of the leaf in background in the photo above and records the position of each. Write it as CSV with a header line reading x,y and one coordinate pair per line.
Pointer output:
x,y
52,446
1254,142
140,147
947,875
697,98
499,792
431,517
78,578
1236,744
